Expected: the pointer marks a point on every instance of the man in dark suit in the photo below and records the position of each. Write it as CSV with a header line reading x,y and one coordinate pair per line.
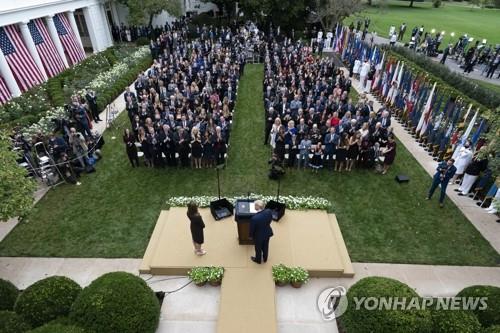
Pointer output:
x,y
444,172
260,231
91,98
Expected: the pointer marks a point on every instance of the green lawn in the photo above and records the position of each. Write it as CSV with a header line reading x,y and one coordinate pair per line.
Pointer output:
x,y
113,212
494,87
450,17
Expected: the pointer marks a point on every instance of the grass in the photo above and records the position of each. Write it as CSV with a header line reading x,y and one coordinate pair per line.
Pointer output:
x,y
113,212
450,17
494,87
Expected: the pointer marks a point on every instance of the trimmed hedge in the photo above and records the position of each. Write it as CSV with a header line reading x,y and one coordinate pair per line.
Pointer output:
x,y
8,295
492,329
47,300
455,321
57,328
11,322
491,315
117,302
395,321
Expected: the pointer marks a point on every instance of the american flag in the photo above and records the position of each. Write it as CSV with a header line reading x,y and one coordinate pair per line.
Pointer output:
x,y
68,39
45,47
20,61
4,92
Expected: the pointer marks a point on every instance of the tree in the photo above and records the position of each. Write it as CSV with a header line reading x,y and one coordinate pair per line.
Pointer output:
x,y
331,12
16,190
144,11
287,14
228,6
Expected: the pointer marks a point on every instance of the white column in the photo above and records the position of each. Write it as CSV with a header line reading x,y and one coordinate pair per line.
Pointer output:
x,y
71,17
28,41
108,25
8,77
98,27
55,38
114,13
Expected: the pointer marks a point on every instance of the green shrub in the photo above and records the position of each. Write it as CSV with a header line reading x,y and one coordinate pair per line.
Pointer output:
x,y
57,328
11,322
117,302
8,295
491,315
142,41
492,329
395,321
454,321
47,299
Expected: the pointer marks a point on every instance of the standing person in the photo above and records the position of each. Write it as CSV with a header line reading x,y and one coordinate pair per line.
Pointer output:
x,y
390,153
365,69
402,30
444,172
446,52
462,161
475,167
261,231
91,98
196,227
304,149
393,39
341,153
129,140
353,150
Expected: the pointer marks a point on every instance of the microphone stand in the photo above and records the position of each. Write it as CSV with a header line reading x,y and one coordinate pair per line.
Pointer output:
x,y
218,182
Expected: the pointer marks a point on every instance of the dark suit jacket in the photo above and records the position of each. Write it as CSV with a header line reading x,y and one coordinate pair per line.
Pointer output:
x,y
260,225
449,172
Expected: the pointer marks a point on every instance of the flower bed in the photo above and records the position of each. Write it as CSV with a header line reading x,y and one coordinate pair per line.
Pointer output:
x,y
291,202
108,73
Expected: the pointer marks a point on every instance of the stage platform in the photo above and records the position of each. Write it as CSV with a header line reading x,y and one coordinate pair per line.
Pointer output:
x,y
310,239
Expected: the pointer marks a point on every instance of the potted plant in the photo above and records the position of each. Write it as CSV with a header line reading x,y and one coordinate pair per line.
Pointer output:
x,y
215,275
199,275
281,275
298,276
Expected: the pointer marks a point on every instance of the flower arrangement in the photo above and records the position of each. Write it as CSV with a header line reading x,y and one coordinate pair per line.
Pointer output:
x,y
281,275
201,275
291,202
215,275
298,276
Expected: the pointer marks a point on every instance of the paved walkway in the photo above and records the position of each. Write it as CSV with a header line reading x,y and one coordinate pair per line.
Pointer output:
x,y
451,64
485,223
195,310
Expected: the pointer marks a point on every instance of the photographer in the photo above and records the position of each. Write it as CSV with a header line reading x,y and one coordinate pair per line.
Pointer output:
x,y
78,146
444,172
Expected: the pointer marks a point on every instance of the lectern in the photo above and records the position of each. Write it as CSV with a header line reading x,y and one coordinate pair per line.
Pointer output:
x,y
245,210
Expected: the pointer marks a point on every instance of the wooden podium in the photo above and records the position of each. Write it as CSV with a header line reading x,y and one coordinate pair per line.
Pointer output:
x,y
243,214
